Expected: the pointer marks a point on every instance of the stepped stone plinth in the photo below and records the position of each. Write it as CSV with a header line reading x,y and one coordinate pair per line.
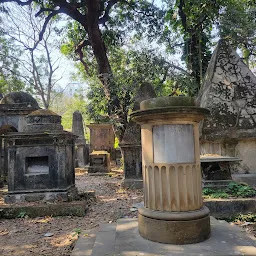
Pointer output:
x,y
174,212
122,239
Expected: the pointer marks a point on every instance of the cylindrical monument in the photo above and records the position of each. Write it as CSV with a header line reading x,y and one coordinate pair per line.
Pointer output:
x,y
173,209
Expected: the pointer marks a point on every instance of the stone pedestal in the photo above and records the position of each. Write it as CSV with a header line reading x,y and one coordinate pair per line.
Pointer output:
x,y
82,154
99,162
132,166
174,211
131,152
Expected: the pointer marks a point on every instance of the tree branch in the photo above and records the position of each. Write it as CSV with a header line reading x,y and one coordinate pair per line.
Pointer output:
x,y
47,20
18,2
79,51
105,17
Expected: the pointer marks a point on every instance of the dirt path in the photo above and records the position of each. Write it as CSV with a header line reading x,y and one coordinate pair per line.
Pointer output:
x,y
25,236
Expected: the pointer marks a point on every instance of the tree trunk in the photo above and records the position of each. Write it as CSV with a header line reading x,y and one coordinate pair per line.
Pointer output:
x,y
104,69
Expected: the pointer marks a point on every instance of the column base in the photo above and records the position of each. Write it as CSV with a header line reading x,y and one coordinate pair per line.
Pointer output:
x,y
175,228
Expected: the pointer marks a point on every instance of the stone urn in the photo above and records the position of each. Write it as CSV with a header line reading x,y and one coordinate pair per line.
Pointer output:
x,y
173,209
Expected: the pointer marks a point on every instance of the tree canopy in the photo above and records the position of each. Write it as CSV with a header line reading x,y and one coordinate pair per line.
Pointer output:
x,y
104,36
9,66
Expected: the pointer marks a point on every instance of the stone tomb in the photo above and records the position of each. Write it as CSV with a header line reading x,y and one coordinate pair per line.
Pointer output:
x,y
131,142
41,160
14,107
82,151
229,92
216,170
102,138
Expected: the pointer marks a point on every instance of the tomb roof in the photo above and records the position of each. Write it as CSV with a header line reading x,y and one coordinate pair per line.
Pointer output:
x,y
19,98
43,112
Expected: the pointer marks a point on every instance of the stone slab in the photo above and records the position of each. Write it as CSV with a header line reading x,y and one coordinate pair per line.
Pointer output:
x,y
132,183
84,244
105,240
76,208
226,208
225,240
249,179
219,159
218,184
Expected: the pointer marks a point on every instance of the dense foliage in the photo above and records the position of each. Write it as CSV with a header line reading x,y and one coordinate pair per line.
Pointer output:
x,y
9,66
116,41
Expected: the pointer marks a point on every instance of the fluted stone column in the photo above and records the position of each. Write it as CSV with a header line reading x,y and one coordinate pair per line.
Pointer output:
x,y
173,207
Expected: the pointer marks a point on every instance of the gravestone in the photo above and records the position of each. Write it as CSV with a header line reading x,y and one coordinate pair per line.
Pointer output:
x,y
81,149
102,138
131,142
229,92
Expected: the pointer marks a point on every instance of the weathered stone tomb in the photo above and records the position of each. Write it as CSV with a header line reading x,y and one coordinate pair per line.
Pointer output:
x,y
41,160
229,92
14,107
102,137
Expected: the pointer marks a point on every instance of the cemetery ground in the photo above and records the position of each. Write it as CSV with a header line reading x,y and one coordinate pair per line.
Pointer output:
x,y
48,236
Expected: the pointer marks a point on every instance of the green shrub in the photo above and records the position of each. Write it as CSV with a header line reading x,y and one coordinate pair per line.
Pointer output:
x,y
240,190
249,217
233,190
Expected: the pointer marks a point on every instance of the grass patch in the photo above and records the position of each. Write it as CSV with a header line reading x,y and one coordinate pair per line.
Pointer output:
x,y
233,190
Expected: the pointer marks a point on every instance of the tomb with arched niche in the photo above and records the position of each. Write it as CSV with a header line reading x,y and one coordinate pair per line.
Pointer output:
x,y
14,107
41,160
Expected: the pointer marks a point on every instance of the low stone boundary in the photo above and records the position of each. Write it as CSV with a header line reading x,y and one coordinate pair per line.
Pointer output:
x,y
76,208
225,208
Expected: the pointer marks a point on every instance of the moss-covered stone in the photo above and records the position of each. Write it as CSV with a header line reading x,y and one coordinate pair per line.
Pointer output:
x,y
43,112
19,98
163,102
76,208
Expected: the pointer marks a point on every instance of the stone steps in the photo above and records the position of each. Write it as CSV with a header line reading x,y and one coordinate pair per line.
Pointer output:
x,y
85,243
105,240
122,239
